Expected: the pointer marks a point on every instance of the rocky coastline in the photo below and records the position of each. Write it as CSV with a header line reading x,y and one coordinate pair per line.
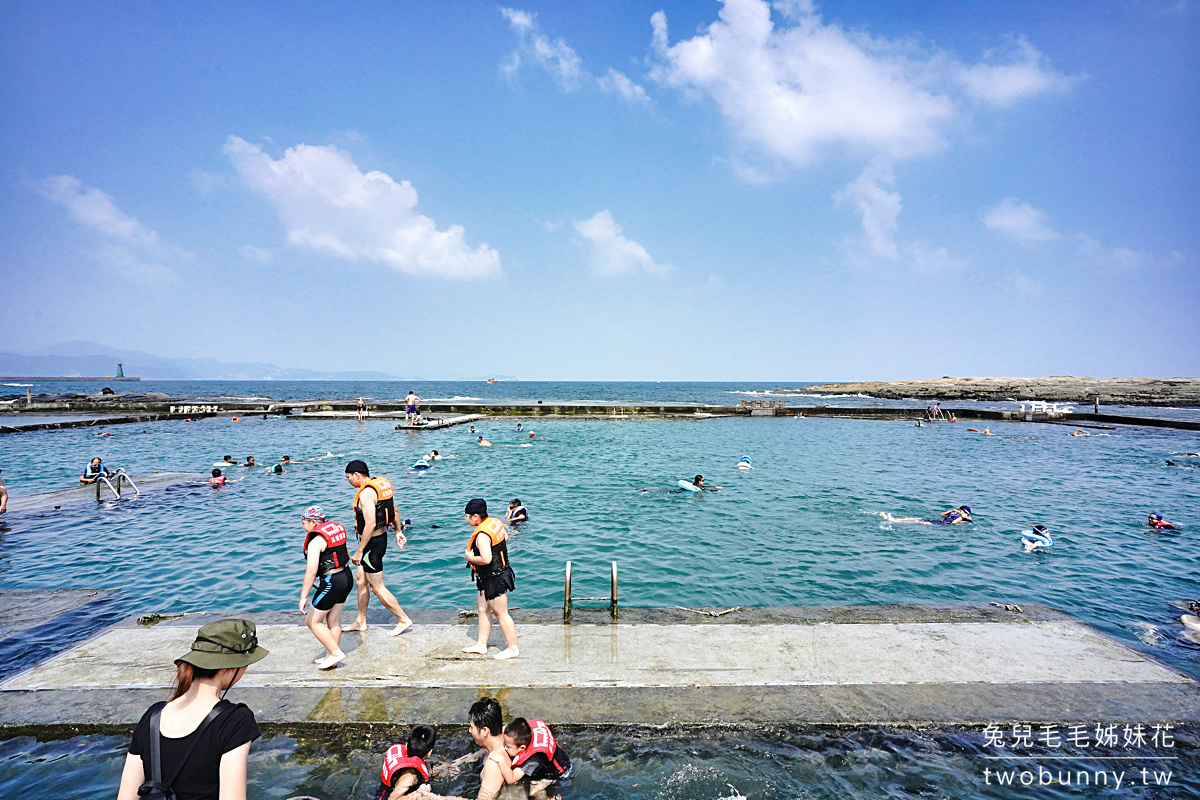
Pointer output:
x,y
1055,389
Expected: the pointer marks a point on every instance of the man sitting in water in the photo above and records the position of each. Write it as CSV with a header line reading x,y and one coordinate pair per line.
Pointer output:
x,y
486,724
516,513
94,471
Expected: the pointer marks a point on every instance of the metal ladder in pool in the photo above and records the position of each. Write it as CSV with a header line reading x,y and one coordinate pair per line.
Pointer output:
x,y
119,476
569,601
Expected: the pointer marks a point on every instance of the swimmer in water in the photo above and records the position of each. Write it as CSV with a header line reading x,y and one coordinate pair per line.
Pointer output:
x,y
954,516
94,471
227,461
516,513
250,461
1156,521
1078,432
434,455
518,427
1037,538
745,463
472,429
217,478
3,497
699,483
483,442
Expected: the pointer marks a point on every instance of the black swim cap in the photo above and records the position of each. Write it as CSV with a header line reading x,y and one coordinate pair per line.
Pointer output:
x,y
477,506
358,466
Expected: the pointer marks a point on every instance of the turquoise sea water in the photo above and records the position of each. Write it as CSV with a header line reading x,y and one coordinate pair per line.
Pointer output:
x,y
802,528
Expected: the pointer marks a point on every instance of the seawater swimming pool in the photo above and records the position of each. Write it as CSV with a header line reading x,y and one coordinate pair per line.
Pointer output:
x,y
802,528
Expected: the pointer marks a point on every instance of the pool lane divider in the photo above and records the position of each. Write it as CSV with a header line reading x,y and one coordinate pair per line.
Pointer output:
x,y
842,666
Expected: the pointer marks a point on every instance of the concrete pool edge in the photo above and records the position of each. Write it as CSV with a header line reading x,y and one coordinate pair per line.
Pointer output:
x,y
1080,674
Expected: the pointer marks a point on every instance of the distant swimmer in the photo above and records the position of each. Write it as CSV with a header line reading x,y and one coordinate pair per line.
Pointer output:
x,y
326,567
374,511
283,462
746,462
516,512
1156,521
518,427
472,429
227,461
236,419
104,434
1079,432
217,478
483,442
434,455
532,435
94,471
250,461
3,497
411,416
954,516
1036,538
697,485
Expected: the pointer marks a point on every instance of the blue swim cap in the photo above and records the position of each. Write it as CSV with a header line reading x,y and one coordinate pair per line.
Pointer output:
x,y
1155,515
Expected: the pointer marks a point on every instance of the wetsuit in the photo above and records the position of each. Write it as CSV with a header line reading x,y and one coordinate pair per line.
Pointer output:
x,y
385,514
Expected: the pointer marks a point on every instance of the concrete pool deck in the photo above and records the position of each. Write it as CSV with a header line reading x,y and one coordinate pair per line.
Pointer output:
x,y
865,666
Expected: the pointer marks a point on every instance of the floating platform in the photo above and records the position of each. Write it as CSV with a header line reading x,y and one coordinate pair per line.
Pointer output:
x,y
849,666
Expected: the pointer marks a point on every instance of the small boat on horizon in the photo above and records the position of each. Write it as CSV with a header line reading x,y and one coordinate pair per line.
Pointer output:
x,y
492,380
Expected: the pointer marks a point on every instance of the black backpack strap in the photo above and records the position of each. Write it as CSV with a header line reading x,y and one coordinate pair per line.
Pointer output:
x,y
156,744
217,710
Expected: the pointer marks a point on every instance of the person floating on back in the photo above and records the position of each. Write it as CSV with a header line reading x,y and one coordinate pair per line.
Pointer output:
x,y
326,566
404,767
535,755
487,555
374,511
955,516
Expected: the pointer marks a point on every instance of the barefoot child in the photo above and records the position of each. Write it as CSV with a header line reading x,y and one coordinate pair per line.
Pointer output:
x,y
326,556
487,555
404,767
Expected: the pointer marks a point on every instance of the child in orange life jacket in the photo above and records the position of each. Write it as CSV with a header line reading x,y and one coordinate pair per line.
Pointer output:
x,y
535,755
404,767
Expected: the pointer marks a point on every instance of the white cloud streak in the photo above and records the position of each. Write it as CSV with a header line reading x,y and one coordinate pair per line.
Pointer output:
x,y
554,56
328,204
618,83
127,246
793,90
1020,72
877,205
612,254
1018,221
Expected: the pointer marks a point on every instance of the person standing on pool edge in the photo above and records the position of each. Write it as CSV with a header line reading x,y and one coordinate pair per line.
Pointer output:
x,y
374,511
487,555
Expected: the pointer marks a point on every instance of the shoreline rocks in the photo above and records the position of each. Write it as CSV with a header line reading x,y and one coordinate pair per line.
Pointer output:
x,y
1056,389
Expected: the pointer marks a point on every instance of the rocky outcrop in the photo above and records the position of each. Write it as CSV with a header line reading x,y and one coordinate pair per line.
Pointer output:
x,y
1058,389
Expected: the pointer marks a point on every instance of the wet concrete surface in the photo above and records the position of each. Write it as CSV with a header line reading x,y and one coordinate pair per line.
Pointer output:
x,y
857,666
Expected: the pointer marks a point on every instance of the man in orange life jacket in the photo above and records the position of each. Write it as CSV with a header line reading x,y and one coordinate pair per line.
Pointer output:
x,y
535,755
327,559
404,767
374,511
487,555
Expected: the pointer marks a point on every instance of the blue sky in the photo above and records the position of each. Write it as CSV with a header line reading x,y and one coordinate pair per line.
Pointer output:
x,y
608,191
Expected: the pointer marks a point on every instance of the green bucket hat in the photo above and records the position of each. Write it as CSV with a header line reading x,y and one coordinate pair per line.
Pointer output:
x,y
227,644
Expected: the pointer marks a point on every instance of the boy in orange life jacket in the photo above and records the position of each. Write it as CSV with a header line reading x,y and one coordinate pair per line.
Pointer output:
x,y
404,767
535,755
487,555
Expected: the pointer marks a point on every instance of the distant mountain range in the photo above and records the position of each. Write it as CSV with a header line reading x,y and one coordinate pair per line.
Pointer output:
x,y
92,359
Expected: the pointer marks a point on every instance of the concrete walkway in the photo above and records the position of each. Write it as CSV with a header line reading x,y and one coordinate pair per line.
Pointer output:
x,y
859,673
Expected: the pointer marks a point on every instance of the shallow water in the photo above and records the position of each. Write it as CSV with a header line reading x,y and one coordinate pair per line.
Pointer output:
x,y
715,764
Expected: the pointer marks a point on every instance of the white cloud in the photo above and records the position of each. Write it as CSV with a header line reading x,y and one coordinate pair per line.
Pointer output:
x,y
877,206
1020,283
613,254
930,260
1021,72
1116,259
328,204
793,90
127,246
259,254
556,57
619,84
1019,221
